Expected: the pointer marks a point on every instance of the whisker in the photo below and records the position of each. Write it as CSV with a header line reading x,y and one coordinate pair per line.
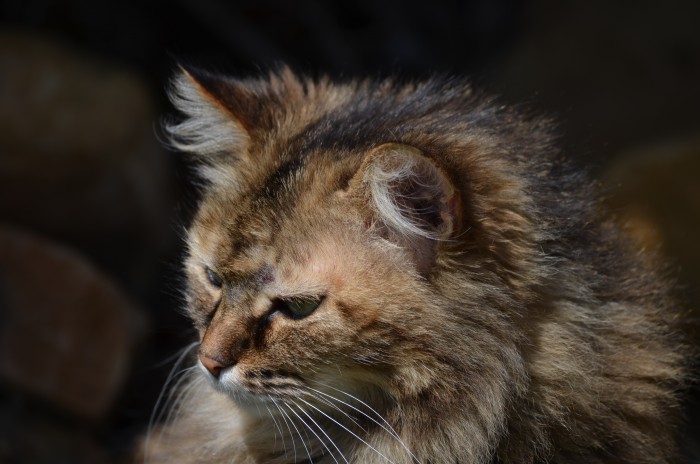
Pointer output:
x,y
259,416
349,431
169,388
279,429
171,375
321,429
334,406
291,435
172,406
184,396
174,391
312,431
390,430
178,354
303,442
362,403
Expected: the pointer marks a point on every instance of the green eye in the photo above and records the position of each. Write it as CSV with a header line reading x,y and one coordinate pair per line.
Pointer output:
x,y
301,307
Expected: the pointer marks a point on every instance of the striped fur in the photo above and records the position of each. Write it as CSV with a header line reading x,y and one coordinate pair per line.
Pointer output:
x,y
474,304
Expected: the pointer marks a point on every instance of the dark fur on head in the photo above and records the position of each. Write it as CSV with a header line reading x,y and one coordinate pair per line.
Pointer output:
x,y
467,287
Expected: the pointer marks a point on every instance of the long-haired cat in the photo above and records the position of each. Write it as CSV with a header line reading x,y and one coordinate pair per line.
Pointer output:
x,y
387,272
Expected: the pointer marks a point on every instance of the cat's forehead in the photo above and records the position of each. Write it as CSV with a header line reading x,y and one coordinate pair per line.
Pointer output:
x,y
302,251
276,218
226,231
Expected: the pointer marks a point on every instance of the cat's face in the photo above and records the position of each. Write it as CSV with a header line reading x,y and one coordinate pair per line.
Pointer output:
x,y
290,297
341,246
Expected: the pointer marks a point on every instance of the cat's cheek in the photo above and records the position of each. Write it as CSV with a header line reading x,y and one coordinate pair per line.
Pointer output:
x,y
230,381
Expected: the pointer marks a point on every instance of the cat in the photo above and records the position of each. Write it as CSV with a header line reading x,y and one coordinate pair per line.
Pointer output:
x,y
387,271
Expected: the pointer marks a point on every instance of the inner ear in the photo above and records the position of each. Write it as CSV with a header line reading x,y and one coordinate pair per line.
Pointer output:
x,y
409,193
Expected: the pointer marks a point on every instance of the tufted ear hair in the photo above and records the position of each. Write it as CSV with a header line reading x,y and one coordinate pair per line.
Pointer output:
x,y
409,194
211,127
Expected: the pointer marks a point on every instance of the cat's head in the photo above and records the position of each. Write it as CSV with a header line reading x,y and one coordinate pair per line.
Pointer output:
x,y
353,237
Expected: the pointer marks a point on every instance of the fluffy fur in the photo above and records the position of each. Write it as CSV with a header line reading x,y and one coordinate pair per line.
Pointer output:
x,y
475,307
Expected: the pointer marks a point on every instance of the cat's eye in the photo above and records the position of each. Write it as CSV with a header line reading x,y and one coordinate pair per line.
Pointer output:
x,y
214,279
300,307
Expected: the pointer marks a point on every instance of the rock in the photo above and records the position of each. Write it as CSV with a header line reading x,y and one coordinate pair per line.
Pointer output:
x,y
66,332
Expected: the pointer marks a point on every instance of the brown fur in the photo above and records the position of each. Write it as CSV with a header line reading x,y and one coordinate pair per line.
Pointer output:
x,y
472,295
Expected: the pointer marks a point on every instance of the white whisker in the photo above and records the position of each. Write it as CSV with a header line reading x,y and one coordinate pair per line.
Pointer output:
x,y
260,415
303,442
291,435
321,429
171,375
363,404
390,430
279,429
334,406
166,385
182,397
348,430
175,393
312,431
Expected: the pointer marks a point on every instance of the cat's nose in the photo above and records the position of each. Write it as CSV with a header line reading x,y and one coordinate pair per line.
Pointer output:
x,y
212,365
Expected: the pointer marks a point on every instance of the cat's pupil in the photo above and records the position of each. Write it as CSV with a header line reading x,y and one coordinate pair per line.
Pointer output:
x,y
214,279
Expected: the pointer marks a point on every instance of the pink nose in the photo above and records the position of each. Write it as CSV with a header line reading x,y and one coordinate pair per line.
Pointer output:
x,y
212,365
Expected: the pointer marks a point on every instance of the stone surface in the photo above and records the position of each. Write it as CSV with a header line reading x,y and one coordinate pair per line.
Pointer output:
x,y
67,332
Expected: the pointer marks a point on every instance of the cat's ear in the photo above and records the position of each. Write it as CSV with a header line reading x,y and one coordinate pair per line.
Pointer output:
x,y
212,127
409,194
223,118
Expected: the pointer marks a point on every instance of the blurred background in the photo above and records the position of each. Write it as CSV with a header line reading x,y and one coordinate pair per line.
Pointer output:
x,y
92,206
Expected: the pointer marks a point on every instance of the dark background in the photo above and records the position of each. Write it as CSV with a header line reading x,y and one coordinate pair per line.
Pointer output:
x,y
92,206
